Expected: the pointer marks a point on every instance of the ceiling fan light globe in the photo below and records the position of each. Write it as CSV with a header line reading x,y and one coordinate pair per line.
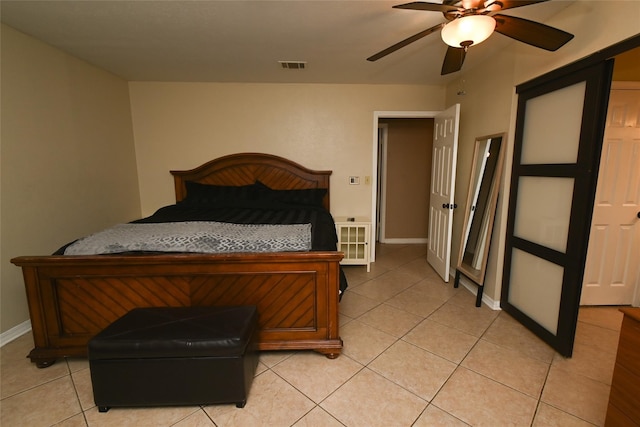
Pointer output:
x,y
468,30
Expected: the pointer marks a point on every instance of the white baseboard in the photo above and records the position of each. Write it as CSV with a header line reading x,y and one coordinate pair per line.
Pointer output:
x,y
473,288
15,332
405,241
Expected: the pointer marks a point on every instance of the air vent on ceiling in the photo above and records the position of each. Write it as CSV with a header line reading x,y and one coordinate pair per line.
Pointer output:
x,y
293,65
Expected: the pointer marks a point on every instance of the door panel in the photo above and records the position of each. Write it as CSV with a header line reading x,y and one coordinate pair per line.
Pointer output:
x,y
543,211
559,129
443,179
553,117
541,303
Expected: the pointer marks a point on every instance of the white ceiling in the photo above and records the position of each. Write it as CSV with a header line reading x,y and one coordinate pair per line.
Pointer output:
x,y
242,41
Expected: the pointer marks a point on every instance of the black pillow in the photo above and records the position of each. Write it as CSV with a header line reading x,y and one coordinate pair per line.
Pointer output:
x,y
210,195
308,197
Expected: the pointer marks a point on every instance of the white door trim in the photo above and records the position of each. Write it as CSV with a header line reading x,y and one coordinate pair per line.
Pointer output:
x,y
377,115
381,205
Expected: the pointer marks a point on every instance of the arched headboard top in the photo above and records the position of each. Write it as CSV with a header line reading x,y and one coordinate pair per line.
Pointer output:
x,y
276,172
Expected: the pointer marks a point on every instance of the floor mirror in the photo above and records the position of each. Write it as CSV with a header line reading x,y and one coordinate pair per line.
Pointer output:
x,y
480,210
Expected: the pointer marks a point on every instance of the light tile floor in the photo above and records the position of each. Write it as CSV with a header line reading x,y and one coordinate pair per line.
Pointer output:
x,y
417,352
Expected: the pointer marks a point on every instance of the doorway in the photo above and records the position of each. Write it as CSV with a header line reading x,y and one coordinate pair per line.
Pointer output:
x,y
376,188
404,166
612,275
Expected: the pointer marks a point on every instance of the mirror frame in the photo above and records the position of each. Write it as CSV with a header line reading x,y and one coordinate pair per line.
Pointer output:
x,y
477,275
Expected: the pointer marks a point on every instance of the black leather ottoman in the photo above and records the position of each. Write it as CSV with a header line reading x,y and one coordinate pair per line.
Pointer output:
x,y
175,356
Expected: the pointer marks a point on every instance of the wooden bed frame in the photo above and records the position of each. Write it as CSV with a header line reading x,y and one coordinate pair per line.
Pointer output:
x,y
71,298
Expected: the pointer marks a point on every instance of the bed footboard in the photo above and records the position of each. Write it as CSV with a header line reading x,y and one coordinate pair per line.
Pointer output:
x,y
71,298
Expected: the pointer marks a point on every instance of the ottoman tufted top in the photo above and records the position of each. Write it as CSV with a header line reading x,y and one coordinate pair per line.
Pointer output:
x,y
163,332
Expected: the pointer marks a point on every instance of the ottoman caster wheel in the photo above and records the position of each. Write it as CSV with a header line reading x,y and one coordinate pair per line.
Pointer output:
x,y
103,408
241,404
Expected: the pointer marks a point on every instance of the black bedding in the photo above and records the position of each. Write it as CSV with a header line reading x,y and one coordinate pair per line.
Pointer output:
x,y
323,232
253,204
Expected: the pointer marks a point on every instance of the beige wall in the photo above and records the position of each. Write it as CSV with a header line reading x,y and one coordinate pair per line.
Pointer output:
x,y
67,160
489,104
321,126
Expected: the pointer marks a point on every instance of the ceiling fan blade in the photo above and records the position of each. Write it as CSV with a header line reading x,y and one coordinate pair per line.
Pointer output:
x,y
510,4
404,43
430,7
453,60
532,33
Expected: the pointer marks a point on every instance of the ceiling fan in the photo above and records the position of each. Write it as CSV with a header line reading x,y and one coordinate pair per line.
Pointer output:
x,y
472,21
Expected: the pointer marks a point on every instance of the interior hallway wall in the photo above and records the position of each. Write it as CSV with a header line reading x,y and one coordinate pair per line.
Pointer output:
x,y
408,178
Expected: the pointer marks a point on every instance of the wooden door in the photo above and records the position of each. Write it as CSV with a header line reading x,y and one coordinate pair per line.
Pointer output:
x,y
611,272
442,189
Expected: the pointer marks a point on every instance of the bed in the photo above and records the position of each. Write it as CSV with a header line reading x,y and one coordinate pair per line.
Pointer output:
x,y
73,297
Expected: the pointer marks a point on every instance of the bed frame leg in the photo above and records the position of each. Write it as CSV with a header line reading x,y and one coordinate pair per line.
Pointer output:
x,y
331,353
43,358
43,363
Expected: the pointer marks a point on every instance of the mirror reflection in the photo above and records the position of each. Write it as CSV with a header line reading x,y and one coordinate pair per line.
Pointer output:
x,y
480,210
482,188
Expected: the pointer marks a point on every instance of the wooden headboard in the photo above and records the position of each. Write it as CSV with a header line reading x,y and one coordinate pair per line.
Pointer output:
x,y
276,172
